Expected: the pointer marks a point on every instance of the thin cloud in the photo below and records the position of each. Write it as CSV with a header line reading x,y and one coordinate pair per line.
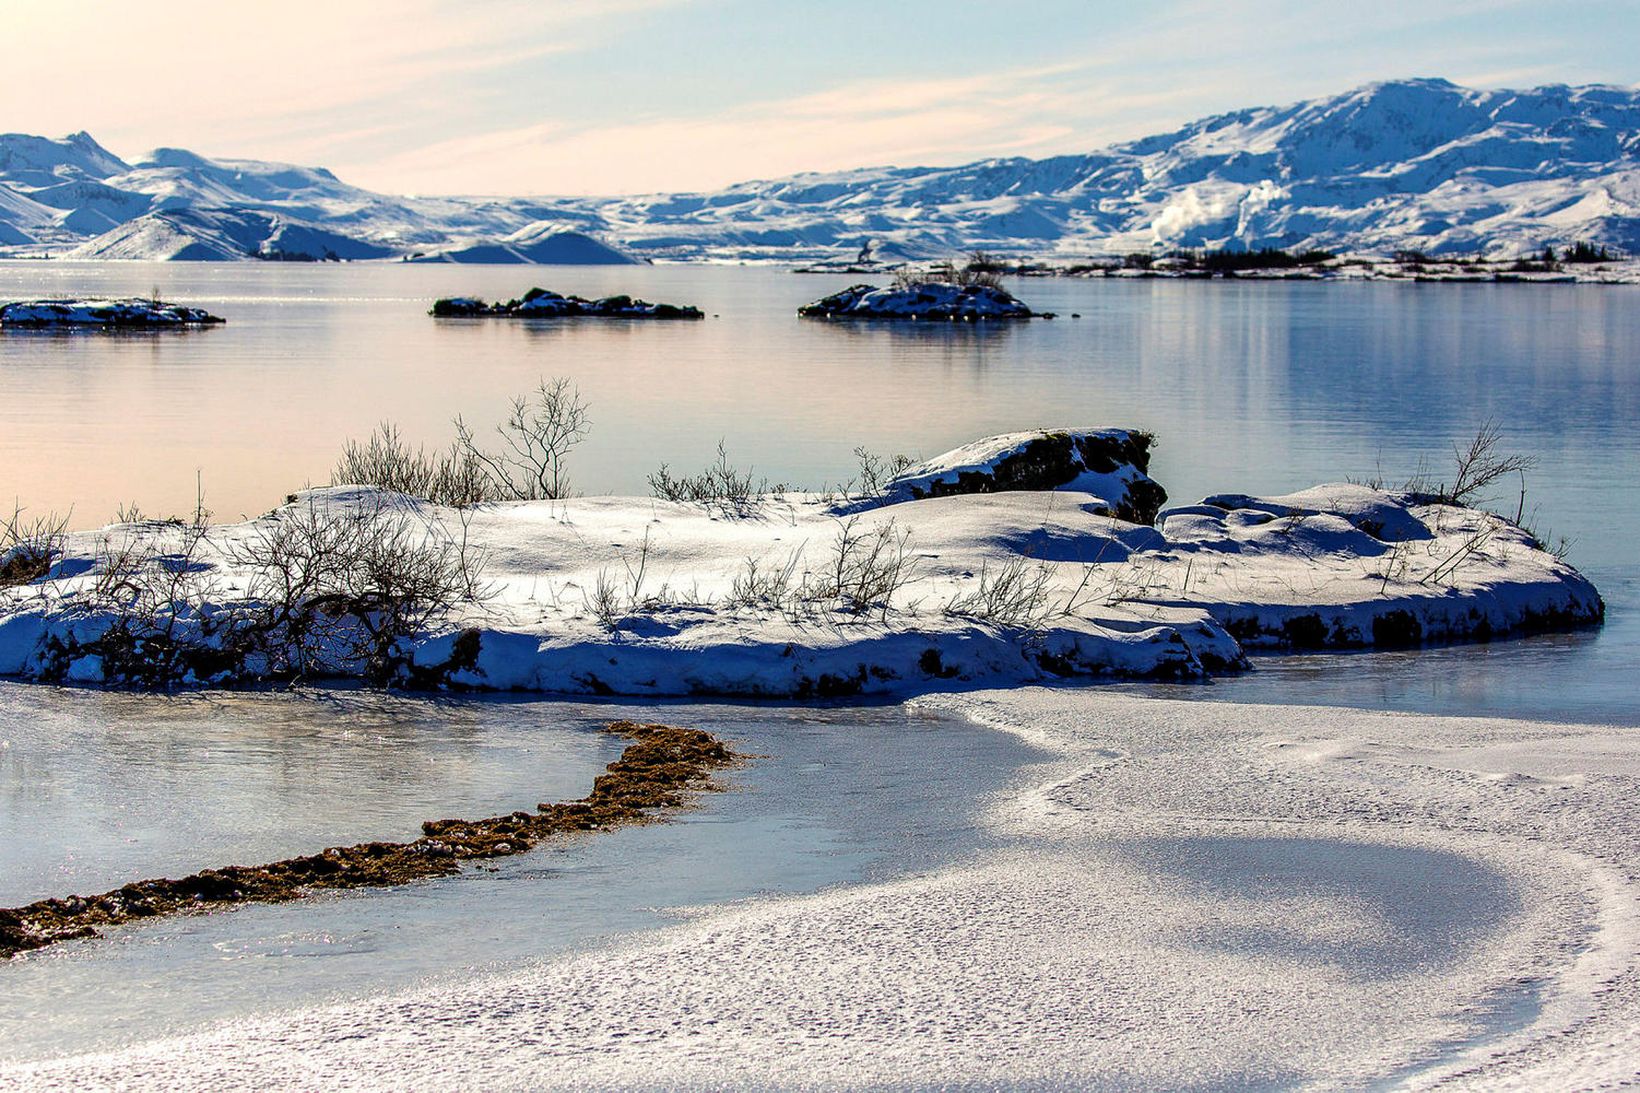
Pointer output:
x,y
592,96
235,77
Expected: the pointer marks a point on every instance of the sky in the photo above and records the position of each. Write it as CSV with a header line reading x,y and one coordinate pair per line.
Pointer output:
x,y
521,97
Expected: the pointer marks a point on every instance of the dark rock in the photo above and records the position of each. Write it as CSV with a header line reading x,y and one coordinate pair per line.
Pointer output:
x,y
933,301
539,303
1105,462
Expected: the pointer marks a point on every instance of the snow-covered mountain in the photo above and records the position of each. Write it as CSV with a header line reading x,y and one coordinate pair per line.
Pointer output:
x,y
73,198
1413,164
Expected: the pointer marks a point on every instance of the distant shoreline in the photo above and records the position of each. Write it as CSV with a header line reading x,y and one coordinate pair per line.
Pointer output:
x,y
1347,269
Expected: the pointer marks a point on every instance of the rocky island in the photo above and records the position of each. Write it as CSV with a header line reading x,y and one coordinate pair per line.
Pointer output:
x,y
104,314
538,303
930,300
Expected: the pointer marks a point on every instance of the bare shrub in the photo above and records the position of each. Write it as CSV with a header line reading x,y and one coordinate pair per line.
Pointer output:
x,y
605,603
866,569
980,270
1129,581
1472,547
28,545
767,584
863,572
720,486
876,472
1015,594
453,477
612,602
1479,465
338,586
538,433
980,261
969,277
157,588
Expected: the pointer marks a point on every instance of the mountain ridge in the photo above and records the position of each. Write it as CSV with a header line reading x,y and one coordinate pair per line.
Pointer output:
x,y
1418,164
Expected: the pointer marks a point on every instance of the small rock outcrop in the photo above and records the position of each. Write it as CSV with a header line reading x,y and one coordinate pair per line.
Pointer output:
x,y
538,303
935,301
106,314
1109,463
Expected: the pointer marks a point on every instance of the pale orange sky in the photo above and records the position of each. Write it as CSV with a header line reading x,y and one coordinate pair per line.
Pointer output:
x,y
613,96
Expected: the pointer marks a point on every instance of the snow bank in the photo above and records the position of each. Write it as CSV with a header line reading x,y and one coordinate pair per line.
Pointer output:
x,y
538,303
103,313
1346,566
805,595
931,300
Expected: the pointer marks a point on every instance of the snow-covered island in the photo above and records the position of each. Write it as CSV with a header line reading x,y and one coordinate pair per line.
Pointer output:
x,y
107,314
931,300
1021,558
538,303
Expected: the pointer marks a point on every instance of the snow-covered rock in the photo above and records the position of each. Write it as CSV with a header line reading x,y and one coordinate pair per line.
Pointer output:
x,y
929,300
538,303
799,595
103,313
1110,464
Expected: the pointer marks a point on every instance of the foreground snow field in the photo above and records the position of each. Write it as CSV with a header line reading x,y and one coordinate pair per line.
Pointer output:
x,y
1191,895
785,595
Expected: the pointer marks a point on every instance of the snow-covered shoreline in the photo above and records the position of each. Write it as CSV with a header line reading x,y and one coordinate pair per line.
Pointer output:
x,y
1031,568
1357,269
1293,894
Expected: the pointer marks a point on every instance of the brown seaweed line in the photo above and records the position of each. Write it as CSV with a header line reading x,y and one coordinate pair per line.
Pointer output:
x,y
661,769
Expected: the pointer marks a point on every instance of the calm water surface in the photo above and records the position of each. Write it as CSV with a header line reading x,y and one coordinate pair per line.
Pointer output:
x,y
1251,387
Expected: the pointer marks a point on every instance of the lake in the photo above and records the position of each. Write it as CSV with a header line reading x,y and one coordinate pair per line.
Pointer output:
x,y
1250,386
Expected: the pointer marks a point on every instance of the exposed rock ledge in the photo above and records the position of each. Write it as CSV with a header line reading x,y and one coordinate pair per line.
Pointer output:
x,y
107,314
1110,463
538,303
934,301
798,595
660,771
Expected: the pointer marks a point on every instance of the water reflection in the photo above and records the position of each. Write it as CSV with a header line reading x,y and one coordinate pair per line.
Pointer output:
x,y
1249,386
841,795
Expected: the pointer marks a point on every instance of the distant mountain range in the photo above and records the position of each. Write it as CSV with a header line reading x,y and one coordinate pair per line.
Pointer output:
x,y
1411,164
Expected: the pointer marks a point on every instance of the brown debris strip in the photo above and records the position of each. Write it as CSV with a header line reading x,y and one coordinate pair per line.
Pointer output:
x,y
661,769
